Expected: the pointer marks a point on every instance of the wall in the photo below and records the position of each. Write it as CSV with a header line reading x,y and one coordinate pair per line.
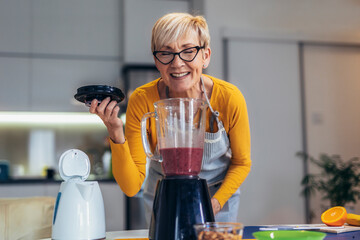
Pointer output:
x,y
326,17
244,20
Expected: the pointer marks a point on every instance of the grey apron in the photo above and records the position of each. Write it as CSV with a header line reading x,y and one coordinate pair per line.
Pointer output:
x,y
215,163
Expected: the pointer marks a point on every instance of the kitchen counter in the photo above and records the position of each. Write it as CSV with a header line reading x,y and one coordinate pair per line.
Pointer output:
x,y
40,180
248,230
114,198
129,234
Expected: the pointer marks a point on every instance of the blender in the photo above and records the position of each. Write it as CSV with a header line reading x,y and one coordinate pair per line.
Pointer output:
x,y
182,198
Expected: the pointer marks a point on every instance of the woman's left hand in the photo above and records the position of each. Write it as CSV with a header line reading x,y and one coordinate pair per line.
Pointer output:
x,y
215,205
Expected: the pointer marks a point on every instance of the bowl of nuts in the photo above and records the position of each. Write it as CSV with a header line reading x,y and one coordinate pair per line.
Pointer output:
x,y
219,230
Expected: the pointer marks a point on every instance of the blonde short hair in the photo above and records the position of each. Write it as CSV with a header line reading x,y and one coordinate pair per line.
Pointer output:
x,y
172,26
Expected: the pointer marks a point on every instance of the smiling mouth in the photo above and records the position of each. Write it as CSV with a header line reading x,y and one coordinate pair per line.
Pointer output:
x,y
178,75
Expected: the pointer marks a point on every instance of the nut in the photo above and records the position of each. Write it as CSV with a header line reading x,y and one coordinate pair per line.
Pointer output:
x,y
208,235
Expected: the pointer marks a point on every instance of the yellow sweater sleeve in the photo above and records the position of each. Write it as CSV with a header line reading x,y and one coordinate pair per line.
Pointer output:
x,y
129,159
229,101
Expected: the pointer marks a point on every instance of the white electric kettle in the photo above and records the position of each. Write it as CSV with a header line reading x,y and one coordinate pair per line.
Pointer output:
x,y
79,208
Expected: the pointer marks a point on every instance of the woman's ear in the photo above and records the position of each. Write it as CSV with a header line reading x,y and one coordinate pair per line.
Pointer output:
x,y
206,57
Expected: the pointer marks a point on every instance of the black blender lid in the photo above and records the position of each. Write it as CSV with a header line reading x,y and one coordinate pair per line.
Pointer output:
x,y
88,93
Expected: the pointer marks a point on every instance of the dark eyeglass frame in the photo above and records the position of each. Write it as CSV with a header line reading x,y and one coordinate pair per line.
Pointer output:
x,y
178,53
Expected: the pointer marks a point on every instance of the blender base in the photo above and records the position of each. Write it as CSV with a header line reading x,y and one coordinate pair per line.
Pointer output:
x,y
180,202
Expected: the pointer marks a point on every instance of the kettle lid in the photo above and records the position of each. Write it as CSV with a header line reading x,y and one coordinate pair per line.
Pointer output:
x,y
74,164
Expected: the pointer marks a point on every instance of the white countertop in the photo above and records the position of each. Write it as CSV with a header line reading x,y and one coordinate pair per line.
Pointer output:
x,y
129,234
144,233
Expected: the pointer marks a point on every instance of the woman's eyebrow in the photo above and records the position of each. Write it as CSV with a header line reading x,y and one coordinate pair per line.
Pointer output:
x,y
186,45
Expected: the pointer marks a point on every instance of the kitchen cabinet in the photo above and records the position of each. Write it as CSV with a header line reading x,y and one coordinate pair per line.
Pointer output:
x,y
114,199
50,48
302,95
55,82
15,27
82,27
332,85
23,190
115,207
14,84
267,73
331,76
137,38
67,27
50,84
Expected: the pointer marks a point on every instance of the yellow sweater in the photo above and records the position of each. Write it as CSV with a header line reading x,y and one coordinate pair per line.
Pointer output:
x,y
129,160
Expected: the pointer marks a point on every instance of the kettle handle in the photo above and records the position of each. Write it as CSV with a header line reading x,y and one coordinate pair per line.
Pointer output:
x,y
145,140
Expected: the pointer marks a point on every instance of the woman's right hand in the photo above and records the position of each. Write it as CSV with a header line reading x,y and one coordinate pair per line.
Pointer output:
x,y
108,112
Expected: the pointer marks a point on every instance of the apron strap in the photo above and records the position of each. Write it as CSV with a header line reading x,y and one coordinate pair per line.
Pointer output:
x,y
215,114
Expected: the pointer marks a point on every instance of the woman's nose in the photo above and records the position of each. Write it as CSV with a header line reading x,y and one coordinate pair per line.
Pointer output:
x,y
177,61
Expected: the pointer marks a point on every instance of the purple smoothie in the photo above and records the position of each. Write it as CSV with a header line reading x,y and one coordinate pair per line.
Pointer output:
x,y
181,161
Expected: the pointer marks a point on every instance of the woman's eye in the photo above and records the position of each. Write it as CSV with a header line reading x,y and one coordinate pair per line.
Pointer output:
x,y
165,53
189,51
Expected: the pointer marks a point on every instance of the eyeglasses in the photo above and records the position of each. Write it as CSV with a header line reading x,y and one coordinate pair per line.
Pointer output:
x,y
187,55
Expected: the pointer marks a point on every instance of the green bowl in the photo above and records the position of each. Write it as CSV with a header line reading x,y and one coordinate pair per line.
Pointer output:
x,y
289,234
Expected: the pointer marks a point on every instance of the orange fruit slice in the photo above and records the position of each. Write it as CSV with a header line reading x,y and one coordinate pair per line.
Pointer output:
x,y
335,216
353,219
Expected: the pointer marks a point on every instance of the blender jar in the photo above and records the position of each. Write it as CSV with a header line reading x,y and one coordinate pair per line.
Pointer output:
x,y
180,130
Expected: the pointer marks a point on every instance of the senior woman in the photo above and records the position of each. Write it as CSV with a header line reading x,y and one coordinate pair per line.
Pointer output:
x,y
181,47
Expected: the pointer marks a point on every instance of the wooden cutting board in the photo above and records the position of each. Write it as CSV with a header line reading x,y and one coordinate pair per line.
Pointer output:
x,y
317,227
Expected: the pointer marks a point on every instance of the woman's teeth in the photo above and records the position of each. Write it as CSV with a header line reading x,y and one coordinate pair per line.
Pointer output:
x,y
179,74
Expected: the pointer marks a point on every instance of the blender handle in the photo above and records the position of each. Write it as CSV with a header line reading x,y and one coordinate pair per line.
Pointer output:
x,y
145,140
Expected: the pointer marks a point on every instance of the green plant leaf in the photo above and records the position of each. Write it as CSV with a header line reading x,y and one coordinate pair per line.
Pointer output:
x,y
338,180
